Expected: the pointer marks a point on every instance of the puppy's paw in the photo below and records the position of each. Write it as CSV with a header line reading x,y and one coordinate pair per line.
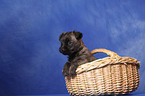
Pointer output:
x,y
65,70
72,70
72,73
65,73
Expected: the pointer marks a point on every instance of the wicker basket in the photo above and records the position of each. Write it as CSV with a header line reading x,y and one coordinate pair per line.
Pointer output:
x,y
112,75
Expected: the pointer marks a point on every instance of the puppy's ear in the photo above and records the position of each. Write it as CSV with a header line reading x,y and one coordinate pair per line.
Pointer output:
x,y
61,36
78,35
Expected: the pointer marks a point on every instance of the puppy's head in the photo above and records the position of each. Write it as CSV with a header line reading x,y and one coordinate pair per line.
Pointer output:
x,y
70,42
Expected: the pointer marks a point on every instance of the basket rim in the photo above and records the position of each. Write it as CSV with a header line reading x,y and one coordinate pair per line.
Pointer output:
x,y
99,63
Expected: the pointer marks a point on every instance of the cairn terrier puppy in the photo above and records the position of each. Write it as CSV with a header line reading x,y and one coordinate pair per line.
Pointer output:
x,y
73,46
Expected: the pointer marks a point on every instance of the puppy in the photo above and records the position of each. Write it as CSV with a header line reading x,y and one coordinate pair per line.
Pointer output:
x,y
73,46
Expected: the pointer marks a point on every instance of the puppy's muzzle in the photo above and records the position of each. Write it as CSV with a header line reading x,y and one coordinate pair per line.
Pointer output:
x,y
61,50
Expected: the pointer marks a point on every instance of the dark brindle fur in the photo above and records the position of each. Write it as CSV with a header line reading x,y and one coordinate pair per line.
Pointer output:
x,y
73,46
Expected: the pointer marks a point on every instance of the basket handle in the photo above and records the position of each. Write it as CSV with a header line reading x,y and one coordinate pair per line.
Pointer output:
x,y
108,52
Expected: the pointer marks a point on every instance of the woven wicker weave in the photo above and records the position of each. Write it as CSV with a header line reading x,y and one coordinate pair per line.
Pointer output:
x,y
112,75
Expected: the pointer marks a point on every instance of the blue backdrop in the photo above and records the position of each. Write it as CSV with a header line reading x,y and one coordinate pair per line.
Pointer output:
x,y
30,62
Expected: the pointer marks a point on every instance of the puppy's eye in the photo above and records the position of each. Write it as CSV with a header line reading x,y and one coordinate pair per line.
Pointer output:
x,y
69,42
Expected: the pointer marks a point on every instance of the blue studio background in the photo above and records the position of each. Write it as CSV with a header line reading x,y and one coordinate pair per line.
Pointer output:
x,y
30,62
